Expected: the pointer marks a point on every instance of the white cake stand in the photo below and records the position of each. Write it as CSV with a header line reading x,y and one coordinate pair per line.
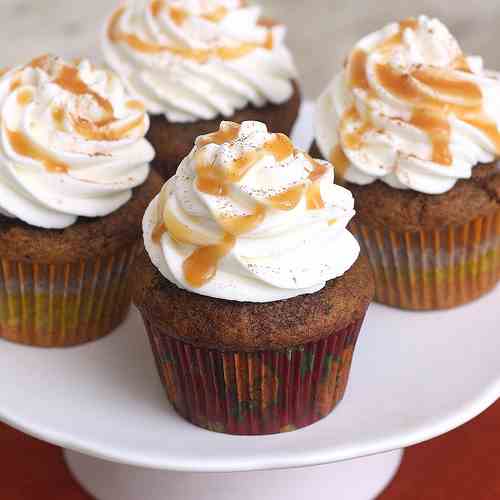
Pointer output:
x,y
415,376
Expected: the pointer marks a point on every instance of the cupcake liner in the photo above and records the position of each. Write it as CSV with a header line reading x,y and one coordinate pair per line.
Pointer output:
x,y
64,304
433,269
255,393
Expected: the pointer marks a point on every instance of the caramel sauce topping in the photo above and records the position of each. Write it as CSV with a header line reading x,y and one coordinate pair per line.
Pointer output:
x,y
213,181
489,128
228,134
156,7
200,55
357,77
397,39
58,117
70,81
93,132
313,197
135,105
159,230
202,264
319,170
16,83
265,22
217,15
287,200
24,97
461,64
40,62
445,83
4,71
242,224
182,233
178,15
209,182
22,146
340,161
354,139
280,147
424,89
438,130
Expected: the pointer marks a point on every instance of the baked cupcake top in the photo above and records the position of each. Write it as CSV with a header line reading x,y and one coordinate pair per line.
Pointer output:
x,y
198,59
410,109
250,218
72,143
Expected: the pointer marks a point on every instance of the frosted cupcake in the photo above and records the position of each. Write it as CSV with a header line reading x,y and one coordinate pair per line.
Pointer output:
x,y
411,124
252,291
74,167
196,62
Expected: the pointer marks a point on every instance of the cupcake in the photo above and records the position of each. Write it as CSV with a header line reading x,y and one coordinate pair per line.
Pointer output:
x,y
411,124
252,291
74,185
194,63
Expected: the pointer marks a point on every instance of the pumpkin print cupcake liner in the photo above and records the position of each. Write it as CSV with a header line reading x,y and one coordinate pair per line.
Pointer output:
x,y
255,393
433,269
64,304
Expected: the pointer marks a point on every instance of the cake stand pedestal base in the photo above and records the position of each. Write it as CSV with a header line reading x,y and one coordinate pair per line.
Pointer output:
x,y
359,479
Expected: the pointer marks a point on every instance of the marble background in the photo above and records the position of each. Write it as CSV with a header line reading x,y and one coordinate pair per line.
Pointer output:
x,y
320,31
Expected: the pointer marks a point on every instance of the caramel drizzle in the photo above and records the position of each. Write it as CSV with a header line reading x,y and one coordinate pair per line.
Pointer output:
x,y
430,114
200,55
92,132
216,182
58,117
439,132
340,161
158,232
69,80
24,147
202,264
179,15
15,83
24,97
136,105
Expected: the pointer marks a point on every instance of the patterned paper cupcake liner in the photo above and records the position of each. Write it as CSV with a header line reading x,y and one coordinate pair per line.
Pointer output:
x,y
255,393
440,269
64,304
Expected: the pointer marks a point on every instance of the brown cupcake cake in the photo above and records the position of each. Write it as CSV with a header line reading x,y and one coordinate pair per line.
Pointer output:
x,y
411,126
251,290
194,64
73,187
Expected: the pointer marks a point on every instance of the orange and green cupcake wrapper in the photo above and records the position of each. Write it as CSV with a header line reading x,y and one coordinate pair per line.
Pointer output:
x,y
64,304
255,393
433,269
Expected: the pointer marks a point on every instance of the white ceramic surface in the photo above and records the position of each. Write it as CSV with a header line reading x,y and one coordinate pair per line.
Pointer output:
x,y
360,479
415,376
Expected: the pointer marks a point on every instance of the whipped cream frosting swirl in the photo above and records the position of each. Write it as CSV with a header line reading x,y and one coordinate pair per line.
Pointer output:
x,y
250,218
72,143
197,59
410,109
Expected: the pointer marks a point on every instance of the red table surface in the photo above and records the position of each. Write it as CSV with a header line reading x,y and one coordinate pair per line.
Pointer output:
x,y
462,465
